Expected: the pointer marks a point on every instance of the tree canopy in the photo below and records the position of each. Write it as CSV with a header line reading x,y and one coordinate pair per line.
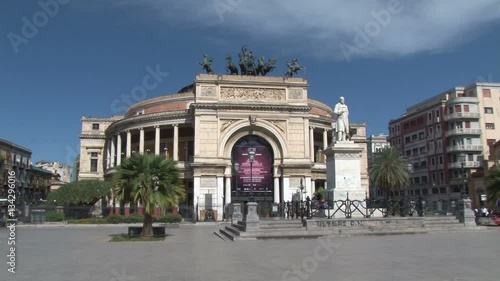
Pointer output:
x,y
493,185
150,181
85,192
389,171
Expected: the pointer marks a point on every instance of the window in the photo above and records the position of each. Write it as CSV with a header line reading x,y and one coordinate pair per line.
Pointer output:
x,y
466,108
440,160
433,178
95,126
399,128
438,129
486,93
457,108
450,109
467,124
414,137
435,191
442,190
488,110
408,152
407,140
93,165
433,163
441,176
490,126
425,191
429,116
421,135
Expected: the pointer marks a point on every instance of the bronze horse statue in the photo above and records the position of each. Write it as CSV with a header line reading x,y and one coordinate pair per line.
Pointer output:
x,y
230,67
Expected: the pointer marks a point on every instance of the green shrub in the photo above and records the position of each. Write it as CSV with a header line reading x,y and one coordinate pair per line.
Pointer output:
x,y
134,218
170,218
54,216
114,219
88,221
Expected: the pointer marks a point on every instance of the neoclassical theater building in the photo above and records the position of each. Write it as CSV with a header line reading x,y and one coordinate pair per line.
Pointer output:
x,y
234,138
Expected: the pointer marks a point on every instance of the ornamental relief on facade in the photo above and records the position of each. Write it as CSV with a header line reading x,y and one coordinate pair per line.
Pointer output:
x,y
280,124
257,94
225,123
295,94
347,155
210,91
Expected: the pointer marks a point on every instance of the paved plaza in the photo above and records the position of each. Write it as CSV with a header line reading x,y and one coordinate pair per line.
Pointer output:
x,y
194,253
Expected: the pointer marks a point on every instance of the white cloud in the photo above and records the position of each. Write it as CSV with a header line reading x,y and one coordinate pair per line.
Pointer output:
x,y
319,26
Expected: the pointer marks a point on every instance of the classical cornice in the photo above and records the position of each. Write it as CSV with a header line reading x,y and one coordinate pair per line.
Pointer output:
x,y
322,120
138,119
251,106
92,136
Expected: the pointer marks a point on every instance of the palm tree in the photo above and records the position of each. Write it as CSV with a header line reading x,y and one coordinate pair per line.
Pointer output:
x,y
149,180
493,188
389,171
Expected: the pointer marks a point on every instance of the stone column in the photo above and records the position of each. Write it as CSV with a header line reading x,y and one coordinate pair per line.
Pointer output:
x,y
118,149
108,153
141,140
157,140
311,143
113,152
325,139
313,187
196,194
308,187
176,142
129,143
228,189
220,195
276,189
285,188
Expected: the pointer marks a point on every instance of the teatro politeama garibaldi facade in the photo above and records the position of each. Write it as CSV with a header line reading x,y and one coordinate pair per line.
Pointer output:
x,y
234,138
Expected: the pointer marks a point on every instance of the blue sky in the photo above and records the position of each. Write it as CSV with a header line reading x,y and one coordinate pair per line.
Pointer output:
x,y
85,55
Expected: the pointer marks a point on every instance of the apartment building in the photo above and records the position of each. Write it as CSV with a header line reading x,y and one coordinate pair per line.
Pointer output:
x,y
445,138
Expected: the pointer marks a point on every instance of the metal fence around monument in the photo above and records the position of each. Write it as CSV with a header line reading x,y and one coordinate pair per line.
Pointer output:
x,y
367,208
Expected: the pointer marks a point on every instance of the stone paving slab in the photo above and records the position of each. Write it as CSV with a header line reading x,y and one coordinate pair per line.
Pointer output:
x,y
194,253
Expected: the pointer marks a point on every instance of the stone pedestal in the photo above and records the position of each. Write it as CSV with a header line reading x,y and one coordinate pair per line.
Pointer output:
x,y
237,215
343,171
251,218
465,213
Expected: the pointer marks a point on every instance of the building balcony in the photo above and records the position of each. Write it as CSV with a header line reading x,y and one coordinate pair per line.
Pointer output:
x,y
462,131
467,164
462,100
462,115
470,147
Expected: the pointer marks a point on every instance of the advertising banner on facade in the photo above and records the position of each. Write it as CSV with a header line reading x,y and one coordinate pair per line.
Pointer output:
x,y
256,175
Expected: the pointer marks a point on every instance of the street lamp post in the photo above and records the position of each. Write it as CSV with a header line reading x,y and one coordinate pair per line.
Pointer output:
x,y
251,157
462,173
236,169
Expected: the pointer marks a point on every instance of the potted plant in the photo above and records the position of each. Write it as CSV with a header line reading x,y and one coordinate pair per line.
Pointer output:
x,y
267,213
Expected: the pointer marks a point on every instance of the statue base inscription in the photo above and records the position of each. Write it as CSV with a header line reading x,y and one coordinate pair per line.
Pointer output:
x,y
343,168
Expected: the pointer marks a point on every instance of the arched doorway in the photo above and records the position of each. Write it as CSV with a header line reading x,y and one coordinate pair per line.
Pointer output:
x,y
253,180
